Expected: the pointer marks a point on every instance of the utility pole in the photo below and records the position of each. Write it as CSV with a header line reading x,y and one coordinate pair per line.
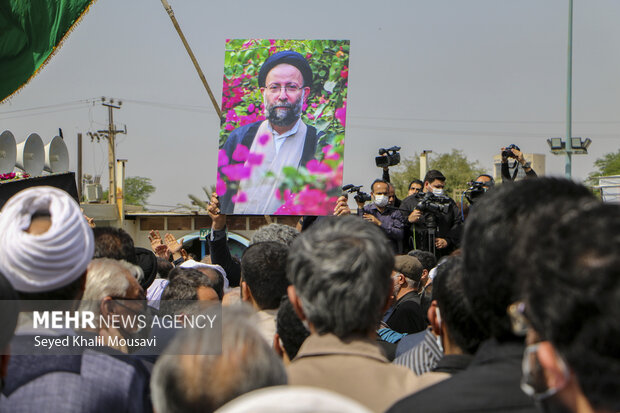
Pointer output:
x,y
568,167
110,135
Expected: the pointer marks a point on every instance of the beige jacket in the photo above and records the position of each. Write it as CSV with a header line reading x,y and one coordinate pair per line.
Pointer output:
x,y
356,369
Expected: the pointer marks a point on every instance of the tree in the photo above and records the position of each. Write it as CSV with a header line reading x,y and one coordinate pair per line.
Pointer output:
x,y
137,190
455,166
608,165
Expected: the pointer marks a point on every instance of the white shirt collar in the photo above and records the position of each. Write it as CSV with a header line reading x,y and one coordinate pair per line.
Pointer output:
x,y
279,139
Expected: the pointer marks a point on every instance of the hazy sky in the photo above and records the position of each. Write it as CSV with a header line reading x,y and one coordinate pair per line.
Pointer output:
x,y
437,74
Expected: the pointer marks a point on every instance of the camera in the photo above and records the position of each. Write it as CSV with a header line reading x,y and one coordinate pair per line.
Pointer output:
x,y
475,190
392,157
429,202
507,152
361,197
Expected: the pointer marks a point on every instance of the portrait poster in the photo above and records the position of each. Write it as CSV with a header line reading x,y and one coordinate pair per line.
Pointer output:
x,y
281,142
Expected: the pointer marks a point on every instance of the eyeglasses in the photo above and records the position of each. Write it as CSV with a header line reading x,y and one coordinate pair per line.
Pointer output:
x,y
140,300
290,88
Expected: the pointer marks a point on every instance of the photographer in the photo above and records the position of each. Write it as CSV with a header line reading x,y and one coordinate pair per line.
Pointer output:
x,y
513,151
435,217
389,219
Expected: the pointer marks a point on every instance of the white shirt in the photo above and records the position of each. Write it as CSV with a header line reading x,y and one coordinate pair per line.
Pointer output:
x,y
278,139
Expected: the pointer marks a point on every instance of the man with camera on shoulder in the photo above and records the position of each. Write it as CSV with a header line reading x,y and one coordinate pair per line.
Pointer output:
x,y
435,217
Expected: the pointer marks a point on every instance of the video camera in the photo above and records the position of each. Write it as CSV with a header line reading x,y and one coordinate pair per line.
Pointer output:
x,y
361,197
507,152
392,158
475,190
429,202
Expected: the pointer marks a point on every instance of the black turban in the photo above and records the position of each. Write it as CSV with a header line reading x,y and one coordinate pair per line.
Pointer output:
x,y
286,56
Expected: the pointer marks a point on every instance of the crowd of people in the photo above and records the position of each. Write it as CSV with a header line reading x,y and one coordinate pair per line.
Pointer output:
x,y
517,312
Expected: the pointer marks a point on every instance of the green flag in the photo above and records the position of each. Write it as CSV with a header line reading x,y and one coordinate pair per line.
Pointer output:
x,y
30,33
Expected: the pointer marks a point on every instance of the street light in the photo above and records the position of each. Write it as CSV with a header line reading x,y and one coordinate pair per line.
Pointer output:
x,y
578,146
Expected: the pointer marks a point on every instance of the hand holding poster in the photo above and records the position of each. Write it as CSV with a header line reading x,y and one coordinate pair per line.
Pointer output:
x,y
282,138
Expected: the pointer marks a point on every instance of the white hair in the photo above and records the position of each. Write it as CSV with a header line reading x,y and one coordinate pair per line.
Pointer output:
x,y
106,277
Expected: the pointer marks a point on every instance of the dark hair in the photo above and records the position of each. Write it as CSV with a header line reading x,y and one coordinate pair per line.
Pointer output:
x,y
216,280
492,180
164,267
415,181
491,230
290,328
114,243
263,268
341,270
9,310
426,258
455,311
378,181
570,259
432,175
184,284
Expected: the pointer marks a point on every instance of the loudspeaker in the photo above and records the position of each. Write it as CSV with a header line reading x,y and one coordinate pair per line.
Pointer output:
x,y
56,156
8,152
31,155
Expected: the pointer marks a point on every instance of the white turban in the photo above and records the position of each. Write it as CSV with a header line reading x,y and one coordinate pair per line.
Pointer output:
x,y
197,265
48,261
292,399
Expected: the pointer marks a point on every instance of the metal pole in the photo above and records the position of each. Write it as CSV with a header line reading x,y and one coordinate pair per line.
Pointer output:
x,y
79,166
111,157
192,57
569,81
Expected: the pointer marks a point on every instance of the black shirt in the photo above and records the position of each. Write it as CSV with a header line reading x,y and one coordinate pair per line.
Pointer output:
x,y
407,316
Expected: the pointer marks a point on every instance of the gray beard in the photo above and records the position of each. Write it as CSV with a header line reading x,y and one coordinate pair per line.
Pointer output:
x,y
284,114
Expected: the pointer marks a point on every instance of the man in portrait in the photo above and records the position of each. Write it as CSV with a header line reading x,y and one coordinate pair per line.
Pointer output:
x,y
262,149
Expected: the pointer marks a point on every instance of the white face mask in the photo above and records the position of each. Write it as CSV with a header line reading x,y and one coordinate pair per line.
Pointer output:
x,y
437,191
381,200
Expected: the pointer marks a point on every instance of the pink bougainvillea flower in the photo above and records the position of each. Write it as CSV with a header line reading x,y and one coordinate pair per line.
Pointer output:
x,y
247,44
310,116
236,172
308,55
344,73
229,127
332,156
327,148
341,115
272,42
263,139
220,187
272,49
316,167
240,197
222,158
314,105
251,108
241,153
231,116
304,107
255,159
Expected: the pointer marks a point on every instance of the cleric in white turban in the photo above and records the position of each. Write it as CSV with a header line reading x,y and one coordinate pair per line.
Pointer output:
x,y
40,255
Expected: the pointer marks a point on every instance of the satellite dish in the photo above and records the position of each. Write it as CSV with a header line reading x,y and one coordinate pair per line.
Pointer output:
x,y
31,155
56,156
8,152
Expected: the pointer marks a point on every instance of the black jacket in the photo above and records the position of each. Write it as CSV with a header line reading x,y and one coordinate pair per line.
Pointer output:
x,y
491,383
449,227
